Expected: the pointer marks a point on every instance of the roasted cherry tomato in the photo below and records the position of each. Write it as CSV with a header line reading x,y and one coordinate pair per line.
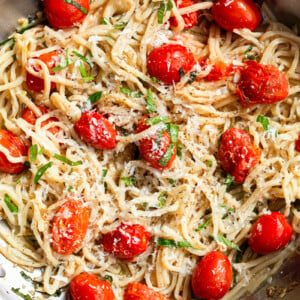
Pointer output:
x,y
138,291
191,19
29,116
152,150
169,62
69,226
126,242
61,14
237,153
236,14
37,84
270,233
212,276
262,84
87,286
16,148
96,130
297,144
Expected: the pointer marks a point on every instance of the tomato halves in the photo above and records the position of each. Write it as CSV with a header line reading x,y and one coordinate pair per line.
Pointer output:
x,y
271,232
69,226
96,130
169,62
126,242
297,144
87,286
262,84
236,14
237,153
61,14
138,291
212,276
191,19
37,84
16,148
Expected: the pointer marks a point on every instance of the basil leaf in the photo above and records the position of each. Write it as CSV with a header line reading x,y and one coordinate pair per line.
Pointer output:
x,y
167,156
8,40
66,63
129,92
67,161
108,278
181,72
41,151
13,208
70,188
193,77
17,292
157,120
32,22
150,106
103,21
36,284
95,97
84,74
129,180
121,25
179,150
155,79
203,225
248,50
227,207
250,56
228,181
83,58
41,171
104,173
162,9
172,181
77,5
169,5
173,130
173,244
209,163
228,243
33,152
162,198
264,122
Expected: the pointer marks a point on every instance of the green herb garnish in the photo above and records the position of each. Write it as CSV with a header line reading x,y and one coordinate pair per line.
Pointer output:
x,y
162,198
94,98
41,171
129,180
228,181
173,244
83,58
77,5
17,292
67,161
129,92
203,225
150,106
157,120
228,243
84,74
13,208
33,152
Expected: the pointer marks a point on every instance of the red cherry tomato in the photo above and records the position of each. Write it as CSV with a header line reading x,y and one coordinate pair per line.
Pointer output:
x,y
16,148
29,116
69,227
169,62
191,19
270,233
236,14
96,130
62,15
126,242
237,153
262,84
212,276
37,84
138,291
151,151
297,144
87,286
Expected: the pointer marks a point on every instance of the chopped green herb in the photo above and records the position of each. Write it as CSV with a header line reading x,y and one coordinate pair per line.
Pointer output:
x,y
77,5
228,243
248,50
121,25
209,163
228,181
179,150
66,63
129,92
41,151
13,208
17,292
32,22
129,180
70,188
83,58
150,106
193,76
181,72
167,156
227,207
162,9
173,130
159,136
103,21
155,79
67,161
8,40
107,278
94,98
173,244
157,120
84,74
250,56
203,225
36,284
172,181
162,198
104,173
40,37
33,152
41,171
264,122
169,5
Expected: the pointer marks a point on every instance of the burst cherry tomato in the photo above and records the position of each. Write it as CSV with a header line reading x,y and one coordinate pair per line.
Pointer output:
x,y
126,242
237,153
152,150
87,286
297,144
212,276
61,14
191,19
236,14
270,233
37,84
96,130
138,291
69,227
29,116
262,84
169,62
16,148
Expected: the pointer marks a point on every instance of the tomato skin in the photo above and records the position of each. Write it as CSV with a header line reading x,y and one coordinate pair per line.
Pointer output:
x,y
16,148
237,153
151,152
69,226
191,19
96,130
126,242
263,84
138,291
270,233
63,15
212,276
36,84
297,144
165,62
89,286
236,14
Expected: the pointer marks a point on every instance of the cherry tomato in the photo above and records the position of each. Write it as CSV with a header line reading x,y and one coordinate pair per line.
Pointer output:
x,y
169,62
37,84
152,150
297,144
191,19
16,148
96,130
262,84
87,286
29,116
270,233
138,291
62,15
126,242
212,276
69,227
237,153
236,14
